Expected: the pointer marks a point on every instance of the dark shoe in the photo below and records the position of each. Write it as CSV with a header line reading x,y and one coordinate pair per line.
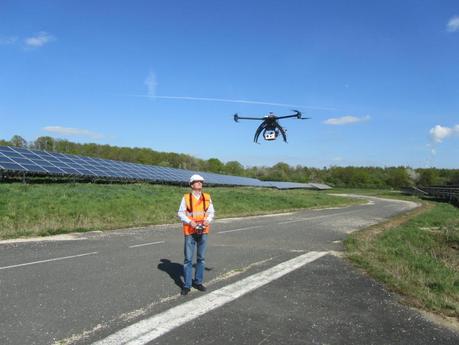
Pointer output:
x,y
184,291
200,287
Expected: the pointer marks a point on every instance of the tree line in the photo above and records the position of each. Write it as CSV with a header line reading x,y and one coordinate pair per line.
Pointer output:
x,y
356,177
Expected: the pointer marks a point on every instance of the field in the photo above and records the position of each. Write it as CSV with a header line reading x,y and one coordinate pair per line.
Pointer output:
x,y
416,255
47,209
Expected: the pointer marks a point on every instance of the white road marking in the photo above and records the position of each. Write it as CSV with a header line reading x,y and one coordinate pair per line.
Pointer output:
x,y
61,237
149,329
240,229
48,260
146,244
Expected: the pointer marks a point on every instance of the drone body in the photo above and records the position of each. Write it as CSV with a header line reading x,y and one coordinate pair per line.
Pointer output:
x,y
270,125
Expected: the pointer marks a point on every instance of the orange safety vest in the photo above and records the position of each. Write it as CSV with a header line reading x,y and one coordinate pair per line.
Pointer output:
x,y
196,211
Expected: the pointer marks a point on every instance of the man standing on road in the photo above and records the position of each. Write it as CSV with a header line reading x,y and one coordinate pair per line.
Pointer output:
x,y
196,212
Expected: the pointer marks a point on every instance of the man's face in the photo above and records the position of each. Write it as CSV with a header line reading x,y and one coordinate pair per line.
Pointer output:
x,y
197,186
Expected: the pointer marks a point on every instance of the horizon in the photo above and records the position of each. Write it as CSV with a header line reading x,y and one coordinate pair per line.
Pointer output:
x,y
244,166
379,80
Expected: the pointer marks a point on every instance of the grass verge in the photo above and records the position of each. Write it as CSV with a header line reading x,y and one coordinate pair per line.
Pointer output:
x,y
416,255
47,209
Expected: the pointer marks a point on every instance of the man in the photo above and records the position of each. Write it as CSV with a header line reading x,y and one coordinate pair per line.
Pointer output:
x,y
196,212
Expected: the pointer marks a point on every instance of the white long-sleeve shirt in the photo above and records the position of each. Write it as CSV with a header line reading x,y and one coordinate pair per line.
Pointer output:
x,y
182,210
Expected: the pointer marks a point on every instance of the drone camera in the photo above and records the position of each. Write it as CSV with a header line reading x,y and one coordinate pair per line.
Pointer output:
x,y
270,135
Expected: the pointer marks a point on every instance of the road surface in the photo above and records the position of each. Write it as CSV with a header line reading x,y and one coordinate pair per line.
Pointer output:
x,y
271,280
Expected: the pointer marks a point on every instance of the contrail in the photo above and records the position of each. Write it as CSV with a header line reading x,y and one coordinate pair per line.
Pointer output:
x,y
245,101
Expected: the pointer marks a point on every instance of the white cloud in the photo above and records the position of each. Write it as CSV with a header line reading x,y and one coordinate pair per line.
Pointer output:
x,y
151,84
453,24
39,40
6,40
345,120
440,133
76,132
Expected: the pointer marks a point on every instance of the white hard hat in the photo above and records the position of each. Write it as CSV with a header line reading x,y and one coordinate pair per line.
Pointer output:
x,y
195,178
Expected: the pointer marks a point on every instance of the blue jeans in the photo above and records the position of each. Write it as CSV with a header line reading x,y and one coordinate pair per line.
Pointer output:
x,y
190,242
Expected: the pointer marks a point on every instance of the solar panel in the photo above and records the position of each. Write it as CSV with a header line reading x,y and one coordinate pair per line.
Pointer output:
x,y
295,185
30,162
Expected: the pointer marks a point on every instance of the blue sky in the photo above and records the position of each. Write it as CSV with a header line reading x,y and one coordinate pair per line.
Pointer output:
x,y
380,79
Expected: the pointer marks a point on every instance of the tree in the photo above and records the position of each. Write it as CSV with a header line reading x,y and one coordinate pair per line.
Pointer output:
x,y
398,177
280,172
454,179
215,165
18,141
44,143
428,177
234,168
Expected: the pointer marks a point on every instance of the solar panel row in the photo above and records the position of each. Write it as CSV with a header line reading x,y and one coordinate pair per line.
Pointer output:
x,y
294,185
27,161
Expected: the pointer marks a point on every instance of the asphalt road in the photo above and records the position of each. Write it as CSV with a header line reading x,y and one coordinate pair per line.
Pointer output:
x,y
84,288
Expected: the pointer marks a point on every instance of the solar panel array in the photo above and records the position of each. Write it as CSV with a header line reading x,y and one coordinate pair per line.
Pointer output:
x,y
295,185
22,160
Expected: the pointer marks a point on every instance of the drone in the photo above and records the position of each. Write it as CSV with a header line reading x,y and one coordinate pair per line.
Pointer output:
x,y
270,126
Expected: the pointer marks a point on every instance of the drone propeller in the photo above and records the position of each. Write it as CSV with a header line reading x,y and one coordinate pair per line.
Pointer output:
x,y
299,115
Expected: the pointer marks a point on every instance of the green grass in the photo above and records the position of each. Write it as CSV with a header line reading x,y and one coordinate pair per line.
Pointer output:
x,y
418,258
382,193
46,209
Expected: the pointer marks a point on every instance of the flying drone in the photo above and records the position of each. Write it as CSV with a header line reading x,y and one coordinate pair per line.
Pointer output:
x,y
270,126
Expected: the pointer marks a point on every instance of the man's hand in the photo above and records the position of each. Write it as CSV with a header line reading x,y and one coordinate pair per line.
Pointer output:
x,y
206,223
193,224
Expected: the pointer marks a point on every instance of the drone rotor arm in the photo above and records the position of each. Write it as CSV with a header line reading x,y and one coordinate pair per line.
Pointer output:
x,y
286,117
250,118
298,115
